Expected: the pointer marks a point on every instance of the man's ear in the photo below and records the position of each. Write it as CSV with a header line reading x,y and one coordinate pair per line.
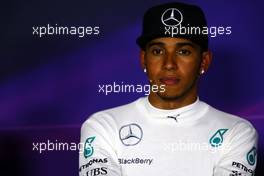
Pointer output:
x,y
142,59
207,57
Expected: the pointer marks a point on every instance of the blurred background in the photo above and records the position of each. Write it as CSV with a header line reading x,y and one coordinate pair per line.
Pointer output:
x,y
49,85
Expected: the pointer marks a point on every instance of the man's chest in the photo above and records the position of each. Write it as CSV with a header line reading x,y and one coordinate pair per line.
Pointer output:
x,y
167,149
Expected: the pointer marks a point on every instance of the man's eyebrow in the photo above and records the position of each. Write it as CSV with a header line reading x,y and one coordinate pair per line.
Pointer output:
x,y
155,43
179,44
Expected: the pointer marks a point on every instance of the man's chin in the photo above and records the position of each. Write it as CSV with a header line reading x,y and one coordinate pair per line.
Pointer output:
x,y
169,96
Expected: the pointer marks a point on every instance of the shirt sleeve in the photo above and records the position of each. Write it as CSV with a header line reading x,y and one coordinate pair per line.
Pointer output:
x,y
97,154
239,157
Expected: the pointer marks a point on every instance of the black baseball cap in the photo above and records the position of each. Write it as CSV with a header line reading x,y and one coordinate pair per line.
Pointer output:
x,y
176,19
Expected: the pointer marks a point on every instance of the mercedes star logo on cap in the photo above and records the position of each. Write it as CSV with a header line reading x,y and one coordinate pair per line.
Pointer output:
x,y
130,134
171,17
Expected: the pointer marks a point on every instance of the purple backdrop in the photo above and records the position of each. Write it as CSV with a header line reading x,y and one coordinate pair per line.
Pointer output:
x,y
49,85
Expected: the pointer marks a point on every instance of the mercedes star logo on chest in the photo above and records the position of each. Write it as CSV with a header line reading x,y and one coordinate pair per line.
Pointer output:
x,y
130,134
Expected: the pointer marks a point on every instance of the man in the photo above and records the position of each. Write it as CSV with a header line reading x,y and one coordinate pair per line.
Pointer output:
x,y
170,132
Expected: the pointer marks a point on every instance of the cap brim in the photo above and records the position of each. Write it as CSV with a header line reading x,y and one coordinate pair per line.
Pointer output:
x,y
143,40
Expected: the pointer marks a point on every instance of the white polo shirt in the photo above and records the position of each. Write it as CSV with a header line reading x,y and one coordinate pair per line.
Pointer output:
x,y
138,139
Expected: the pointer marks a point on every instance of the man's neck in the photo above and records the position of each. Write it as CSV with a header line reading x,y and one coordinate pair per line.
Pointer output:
x,y
171,103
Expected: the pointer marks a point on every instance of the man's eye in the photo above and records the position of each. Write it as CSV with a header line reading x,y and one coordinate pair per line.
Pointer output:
x,y
157,51
184,52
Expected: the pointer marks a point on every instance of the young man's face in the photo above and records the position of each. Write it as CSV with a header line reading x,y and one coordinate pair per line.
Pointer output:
x,y
175,63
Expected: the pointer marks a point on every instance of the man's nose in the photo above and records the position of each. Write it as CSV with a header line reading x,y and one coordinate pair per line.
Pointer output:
x,y
170,62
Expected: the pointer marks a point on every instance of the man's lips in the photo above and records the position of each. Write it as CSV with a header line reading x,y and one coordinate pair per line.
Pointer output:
x,y
169,80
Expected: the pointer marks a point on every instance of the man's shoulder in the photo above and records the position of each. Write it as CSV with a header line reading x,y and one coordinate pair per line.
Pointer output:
x,y
113,115
227,119
120,110
236,128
